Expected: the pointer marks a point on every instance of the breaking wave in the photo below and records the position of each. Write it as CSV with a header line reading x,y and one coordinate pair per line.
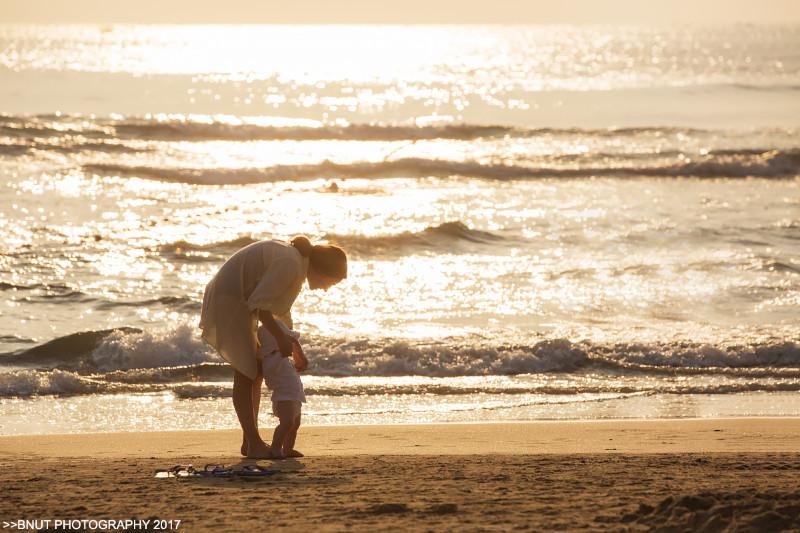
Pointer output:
x,y
193,391
125,349
17,149
443,236
58,293
176,361
439,237
116,349
30,383
207,129
233,244
26,383
769,164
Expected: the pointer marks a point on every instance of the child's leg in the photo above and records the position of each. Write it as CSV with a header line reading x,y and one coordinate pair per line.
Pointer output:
x,y
285,411
288,442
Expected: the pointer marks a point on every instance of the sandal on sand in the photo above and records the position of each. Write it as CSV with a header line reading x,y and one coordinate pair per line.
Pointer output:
x,y
177,471
217,470
214,470
185,471
254,471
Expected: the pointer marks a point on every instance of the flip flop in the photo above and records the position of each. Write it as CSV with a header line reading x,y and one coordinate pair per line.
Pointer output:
x,y
180,471
254,471
217,470
214,470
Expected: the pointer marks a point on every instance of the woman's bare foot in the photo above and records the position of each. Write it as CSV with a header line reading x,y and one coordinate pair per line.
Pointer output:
x,y
259,451
292,453
243,449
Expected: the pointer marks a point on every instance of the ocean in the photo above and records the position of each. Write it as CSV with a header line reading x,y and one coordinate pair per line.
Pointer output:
x,y
543,222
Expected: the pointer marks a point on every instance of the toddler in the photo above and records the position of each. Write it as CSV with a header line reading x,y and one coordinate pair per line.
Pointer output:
x,y
282,378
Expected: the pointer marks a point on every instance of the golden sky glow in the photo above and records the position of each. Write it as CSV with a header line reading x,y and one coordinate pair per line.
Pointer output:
x,y
405,12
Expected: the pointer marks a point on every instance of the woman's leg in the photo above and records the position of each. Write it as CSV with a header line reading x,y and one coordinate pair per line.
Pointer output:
x,y
243,404
257,394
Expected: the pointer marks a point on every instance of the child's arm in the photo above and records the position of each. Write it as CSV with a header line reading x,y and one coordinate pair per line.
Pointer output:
x,y
299,358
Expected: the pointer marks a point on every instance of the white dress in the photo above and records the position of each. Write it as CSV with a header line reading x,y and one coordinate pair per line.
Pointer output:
x,y
266,275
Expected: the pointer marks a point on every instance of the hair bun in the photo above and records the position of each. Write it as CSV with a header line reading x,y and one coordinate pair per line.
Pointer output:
x,y
303,245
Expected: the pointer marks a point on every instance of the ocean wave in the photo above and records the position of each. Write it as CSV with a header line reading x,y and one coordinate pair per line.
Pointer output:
x,y
58,293
83,147
216,390
57,288
16,339
27,383
116,349
14,149
71,351
174,302
176,361
771,164
691,357
777,87
399,168
183,247
200,390
388,358
31,383
184,128
122,350
441,236
189,130
55,297
200,372
69,146
35,129
779,266
179,352
400,358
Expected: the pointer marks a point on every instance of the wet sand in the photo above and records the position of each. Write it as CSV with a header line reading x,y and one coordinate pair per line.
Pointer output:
x,y
711,475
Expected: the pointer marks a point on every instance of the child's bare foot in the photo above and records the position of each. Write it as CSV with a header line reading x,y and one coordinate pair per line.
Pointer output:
x,y
292,453
277,454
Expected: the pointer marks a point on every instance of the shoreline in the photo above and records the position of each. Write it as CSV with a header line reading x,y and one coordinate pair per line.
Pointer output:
x,y
630,436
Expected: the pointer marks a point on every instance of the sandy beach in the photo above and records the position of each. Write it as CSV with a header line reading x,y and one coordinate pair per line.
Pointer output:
x,y
661,475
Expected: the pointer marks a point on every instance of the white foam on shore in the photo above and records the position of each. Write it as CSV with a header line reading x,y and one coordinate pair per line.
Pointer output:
x,y
152,349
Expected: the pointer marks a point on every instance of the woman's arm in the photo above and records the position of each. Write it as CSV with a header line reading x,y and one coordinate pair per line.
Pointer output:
x,y
283,340
299,358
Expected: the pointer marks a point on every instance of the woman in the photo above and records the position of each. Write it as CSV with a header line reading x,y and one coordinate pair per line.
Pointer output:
x,y
261,282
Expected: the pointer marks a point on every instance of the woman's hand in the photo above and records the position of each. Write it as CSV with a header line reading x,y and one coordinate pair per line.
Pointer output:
x,y
298,357
284,344
283,340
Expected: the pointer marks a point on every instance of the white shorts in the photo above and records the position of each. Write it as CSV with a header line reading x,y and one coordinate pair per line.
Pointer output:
x,y
282,378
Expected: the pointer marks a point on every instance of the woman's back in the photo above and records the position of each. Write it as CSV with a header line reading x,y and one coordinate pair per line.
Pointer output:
x,y
242,272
